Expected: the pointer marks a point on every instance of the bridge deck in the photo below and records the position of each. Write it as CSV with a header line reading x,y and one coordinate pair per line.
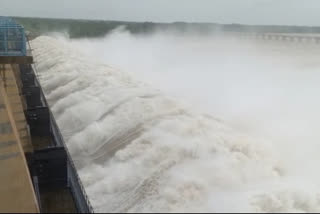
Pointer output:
x,y
28,59
17,193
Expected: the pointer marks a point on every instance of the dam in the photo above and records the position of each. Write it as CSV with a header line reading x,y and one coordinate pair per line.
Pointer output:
x,y
74,141
37,173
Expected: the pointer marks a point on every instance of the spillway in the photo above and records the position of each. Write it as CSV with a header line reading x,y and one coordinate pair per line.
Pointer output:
x,y
137,150
79,135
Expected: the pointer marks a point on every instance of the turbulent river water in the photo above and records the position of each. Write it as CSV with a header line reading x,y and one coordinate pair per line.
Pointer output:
x,y
187,123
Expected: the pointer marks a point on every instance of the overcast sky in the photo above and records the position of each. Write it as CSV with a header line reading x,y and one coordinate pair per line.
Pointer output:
x,y
291,12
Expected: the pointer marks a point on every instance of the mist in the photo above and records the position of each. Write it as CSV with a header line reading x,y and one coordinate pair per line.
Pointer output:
x,y
267,86
237,130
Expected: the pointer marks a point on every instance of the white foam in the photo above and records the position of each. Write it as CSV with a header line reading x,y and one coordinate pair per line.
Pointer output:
x,y
138,150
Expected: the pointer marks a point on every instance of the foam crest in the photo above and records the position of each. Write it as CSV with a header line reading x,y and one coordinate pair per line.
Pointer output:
x,y
138,150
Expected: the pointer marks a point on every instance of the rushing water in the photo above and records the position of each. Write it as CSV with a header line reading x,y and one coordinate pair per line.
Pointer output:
x,y
187,123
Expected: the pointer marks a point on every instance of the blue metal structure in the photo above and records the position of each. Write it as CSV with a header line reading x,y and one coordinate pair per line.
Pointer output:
x,y
12,38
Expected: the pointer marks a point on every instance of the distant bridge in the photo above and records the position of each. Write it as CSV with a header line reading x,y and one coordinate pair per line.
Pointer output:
x,y
295,38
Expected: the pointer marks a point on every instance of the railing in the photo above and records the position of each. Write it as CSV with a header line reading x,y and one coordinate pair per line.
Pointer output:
x,y
80,197
79,194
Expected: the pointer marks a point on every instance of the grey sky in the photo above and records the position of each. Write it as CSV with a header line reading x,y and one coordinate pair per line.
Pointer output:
x,y
291,12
